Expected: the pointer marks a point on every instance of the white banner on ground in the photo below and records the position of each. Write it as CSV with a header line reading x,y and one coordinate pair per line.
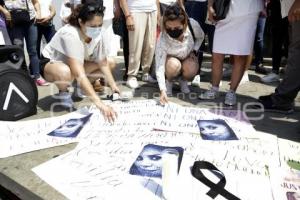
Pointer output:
x,y
27,136
184,119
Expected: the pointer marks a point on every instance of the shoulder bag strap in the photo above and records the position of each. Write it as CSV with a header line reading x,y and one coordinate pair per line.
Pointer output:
x,y
191,29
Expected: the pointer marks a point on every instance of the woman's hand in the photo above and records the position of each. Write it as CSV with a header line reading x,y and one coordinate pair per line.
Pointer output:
x,y
163,97
129,23
211,14
294,13
115,89
108,112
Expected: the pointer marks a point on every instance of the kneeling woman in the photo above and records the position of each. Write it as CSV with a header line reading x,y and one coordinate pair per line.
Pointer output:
x,y
77,50
176,51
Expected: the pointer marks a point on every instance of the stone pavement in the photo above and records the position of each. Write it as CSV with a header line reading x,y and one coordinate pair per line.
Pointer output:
x,y
284,126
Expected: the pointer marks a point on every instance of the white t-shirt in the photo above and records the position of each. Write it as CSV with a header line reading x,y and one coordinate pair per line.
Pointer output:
x,y
109,9
285,7
45,7
67,42
244,7
142,5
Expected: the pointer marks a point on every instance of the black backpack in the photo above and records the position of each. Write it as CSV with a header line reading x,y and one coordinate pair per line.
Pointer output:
x,y
18,92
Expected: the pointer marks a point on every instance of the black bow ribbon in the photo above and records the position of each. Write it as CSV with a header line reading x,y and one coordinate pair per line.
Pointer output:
x,y
215,189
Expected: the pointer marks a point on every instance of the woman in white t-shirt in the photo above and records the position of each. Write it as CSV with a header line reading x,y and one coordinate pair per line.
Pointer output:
x,y
76,52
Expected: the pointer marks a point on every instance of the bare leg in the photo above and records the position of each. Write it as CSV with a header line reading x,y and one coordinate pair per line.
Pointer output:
x,y
190,67
217,69
173,68
238,70
60,74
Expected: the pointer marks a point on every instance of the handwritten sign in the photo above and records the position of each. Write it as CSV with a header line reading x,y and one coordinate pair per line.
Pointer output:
x,y
184,119
22,137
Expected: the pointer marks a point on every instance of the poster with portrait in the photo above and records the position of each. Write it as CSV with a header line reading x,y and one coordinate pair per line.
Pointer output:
x,y
71,128
216,129
150,160
285,183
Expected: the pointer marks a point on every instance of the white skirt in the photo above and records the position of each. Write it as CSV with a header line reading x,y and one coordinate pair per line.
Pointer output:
x,y
235,36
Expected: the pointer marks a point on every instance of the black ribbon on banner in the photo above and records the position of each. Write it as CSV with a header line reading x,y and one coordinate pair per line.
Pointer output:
x,y
215,188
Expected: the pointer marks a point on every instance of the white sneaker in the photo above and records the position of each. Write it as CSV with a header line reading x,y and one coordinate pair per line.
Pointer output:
x,y
169,86
148,78
184,86
66,100
209,94
132,82
270,78
230,98
196,81
245,78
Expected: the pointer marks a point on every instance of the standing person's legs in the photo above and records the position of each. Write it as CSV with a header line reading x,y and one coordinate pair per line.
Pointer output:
x,y
136,40
217,72
39,39
126,51
259,41
149,42
31,41
49,32
239,66
217,69
283,98
288,89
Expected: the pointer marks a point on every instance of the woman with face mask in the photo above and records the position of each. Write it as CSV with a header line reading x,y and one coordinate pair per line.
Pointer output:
x,y
77,51
176,51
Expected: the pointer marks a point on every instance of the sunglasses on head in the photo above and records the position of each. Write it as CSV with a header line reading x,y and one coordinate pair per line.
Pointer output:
x,y
91,8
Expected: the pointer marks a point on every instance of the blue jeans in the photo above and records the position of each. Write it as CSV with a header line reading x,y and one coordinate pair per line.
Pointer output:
x,y
29,32
48,32
198,11
259,41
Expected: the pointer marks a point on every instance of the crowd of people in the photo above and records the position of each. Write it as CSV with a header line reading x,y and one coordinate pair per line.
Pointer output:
x,y
165,36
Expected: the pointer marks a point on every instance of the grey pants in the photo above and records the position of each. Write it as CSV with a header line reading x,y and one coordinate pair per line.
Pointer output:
x,y
287,90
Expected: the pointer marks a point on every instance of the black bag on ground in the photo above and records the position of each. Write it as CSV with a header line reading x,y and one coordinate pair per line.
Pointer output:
x,y
18,92
221,8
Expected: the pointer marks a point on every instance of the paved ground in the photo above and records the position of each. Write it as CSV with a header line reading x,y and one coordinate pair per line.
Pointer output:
x,y
284,126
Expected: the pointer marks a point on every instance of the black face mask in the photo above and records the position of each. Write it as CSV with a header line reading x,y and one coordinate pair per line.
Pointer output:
x,y
174,33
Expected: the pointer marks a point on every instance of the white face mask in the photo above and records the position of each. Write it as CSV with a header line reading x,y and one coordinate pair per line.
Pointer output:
x,y
93,32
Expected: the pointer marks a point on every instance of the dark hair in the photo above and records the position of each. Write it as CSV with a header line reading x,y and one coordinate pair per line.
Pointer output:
x,y
175,12
86,12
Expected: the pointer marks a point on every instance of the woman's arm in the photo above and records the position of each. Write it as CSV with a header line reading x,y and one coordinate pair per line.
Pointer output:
x,y
78,72
160,61
51,16
294,13
128,17
105,69
37,9
117,9
6,13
